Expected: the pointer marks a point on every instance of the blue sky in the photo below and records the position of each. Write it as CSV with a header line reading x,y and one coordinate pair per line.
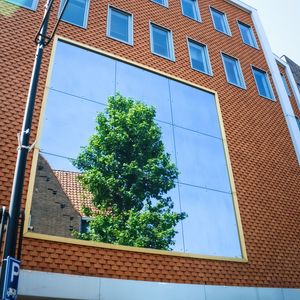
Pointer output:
x,y
281,21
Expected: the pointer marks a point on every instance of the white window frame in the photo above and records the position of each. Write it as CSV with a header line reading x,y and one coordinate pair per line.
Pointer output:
x,y
130,25
33,7
197,11
86,14
268,82
170,41
165,4
228,31
189,40
239,70
255,46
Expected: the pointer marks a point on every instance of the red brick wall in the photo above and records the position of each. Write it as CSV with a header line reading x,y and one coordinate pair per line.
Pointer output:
x,y
266,171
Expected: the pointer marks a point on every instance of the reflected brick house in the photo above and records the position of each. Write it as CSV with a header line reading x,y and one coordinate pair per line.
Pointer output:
x,y
59,196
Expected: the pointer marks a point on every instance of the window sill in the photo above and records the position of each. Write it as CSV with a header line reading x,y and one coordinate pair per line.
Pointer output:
x,y
119,40
71,23
162,56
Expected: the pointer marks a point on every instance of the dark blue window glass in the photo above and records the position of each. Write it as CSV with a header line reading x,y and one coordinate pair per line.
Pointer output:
x,y
190,9
199,57
120,25
161,42
220,21
76,12
85,225
263,84
233,71
247,35
298,122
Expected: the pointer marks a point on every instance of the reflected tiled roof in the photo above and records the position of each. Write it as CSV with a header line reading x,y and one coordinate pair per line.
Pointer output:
x,y
74,190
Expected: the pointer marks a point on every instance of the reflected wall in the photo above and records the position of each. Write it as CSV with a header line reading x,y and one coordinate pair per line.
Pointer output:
x,y
81,81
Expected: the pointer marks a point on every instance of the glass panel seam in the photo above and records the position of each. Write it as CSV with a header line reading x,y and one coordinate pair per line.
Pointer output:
x,y
176,160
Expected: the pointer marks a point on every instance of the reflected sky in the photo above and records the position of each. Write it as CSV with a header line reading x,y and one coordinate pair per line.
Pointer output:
x,y
81,82
142,85
211,225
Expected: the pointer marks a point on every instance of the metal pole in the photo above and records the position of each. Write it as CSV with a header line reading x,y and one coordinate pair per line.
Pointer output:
x,y
17,189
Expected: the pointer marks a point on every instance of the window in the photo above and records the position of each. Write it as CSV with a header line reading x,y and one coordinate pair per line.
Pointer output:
x,y
76,12
190,9
161,2
199,57
298,122
220,21
120,25
285,84
233,71
247,34
85,225
30,4
263,83
161,41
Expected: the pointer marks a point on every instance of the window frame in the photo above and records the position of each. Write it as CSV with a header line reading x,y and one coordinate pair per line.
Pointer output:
x,y
255,46
164,5
197,11
130,25
224,18
268,82
33,7
86,15
190,40
170,41
239,69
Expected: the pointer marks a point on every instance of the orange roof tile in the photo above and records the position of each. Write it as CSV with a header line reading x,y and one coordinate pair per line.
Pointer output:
x,y
73,189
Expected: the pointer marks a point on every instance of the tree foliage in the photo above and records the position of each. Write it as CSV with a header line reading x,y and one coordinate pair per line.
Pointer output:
x,y
127,171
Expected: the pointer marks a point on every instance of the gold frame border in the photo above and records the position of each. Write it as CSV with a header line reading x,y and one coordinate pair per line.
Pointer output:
x,y
28,234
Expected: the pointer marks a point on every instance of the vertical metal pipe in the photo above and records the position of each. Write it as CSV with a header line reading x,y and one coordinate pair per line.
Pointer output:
x,y
17,189
22,216
2,224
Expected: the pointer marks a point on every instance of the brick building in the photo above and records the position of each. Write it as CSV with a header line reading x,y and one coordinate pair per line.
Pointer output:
x,y
228,112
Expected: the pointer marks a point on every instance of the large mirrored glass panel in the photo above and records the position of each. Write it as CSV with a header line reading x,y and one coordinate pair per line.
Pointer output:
x,y
174,193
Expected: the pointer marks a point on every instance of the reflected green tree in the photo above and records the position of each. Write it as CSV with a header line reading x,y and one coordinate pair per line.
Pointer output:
x,y
128,173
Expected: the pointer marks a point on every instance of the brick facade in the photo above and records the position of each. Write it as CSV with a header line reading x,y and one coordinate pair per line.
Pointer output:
x,y
265,167
52,211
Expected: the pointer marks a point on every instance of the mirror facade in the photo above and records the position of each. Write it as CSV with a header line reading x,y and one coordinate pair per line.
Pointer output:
x,y
81,82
